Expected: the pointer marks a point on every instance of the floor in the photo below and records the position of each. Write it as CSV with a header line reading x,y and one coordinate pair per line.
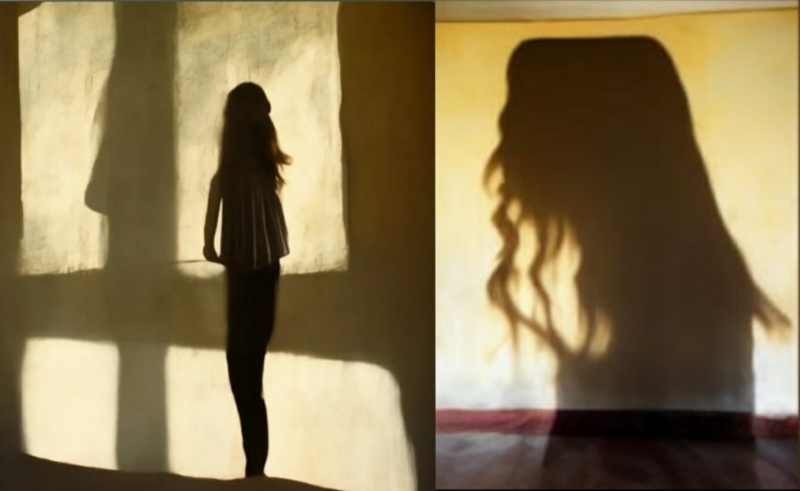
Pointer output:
x,y
498,461
20,472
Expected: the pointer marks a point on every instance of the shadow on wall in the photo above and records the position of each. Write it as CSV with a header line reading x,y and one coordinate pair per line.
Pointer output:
x,y
11,335
133,185
379,311
597,146
597,152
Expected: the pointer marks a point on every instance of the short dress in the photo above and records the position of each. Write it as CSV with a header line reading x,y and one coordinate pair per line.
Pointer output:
x,y
254,234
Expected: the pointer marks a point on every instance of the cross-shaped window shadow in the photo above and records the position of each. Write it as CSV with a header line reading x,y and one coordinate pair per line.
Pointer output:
x,y
379,311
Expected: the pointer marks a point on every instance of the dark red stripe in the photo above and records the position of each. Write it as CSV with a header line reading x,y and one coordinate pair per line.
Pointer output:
x,y
660,424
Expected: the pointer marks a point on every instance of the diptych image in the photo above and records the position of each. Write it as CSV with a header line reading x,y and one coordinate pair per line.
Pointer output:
x,y
318,245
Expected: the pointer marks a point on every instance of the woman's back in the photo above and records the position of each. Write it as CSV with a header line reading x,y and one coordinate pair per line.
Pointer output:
x,y
254,233
254,238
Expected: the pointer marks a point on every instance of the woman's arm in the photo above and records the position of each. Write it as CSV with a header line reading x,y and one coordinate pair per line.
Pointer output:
x,y
212,214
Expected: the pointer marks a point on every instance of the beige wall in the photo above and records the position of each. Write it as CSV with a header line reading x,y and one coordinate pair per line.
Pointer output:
x,y
740,74
99,114
131,353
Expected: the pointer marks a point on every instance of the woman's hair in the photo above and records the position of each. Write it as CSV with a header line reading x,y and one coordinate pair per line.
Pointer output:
x,y
249,137
596,138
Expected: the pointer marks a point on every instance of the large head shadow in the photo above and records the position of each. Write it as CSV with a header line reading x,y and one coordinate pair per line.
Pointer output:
x,y
141,302
597,145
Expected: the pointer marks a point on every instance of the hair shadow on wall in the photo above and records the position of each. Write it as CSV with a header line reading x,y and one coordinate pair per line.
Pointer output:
x,y
597,152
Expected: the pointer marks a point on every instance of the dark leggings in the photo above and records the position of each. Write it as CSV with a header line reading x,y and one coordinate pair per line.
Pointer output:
x,y
251,318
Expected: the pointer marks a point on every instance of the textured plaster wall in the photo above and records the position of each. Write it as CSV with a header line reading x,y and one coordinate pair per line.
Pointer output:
x,y
115,336
740,73
66,57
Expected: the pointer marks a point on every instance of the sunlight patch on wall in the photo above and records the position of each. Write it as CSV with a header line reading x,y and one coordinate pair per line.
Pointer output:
x,y
69,401
65,58
66,53
558,279
775,371
203,269
529,369
332,423
291,50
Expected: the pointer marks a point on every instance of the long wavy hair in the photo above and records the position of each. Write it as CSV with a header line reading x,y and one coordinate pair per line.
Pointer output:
x,y
596,137
249,138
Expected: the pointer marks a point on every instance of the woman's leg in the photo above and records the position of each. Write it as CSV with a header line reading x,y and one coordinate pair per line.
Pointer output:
x,y
243,370
263,323
251,314
241,353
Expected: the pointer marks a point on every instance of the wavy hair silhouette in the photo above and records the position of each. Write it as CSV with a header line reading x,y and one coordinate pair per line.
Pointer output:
x,y
596,138
249,139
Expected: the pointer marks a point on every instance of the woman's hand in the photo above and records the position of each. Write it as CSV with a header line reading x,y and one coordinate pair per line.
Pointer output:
x,y
210,253
212,213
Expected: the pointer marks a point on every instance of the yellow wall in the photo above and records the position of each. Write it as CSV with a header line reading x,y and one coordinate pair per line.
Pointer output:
x,y
740,73
133,356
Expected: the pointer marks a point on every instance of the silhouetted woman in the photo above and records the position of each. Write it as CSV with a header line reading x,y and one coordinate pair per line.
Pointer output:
x,y
254,239
597,140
